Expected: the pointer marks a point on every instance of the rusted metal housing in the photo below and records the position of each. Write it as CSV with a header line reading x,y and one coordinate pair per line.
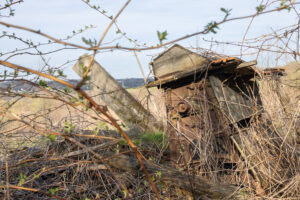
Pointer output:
x,y
274,72
205,95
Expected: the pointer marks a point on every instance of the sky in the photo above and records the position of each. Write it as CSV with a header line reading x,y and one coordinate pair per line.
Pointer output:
x,y
140,20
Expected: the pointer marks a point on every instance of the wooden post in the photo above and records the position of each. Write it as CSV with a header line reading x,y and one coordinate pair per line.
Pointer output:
x,y
107,89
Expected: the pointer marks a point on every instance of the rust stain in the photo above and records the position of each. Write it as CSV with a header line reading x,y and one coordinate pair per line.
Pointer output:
x,y
274,71
223,61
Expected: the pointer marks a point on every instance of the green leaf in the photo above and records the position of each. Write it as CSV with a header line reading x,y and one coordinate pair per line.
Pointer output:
x,y
68,127
140,189
22,178
227,12
61,73
158,174
123,142
162,36
16,72
180,169
53,191
73,100
284,5
52,138
223,9
260,8
211,27
89,42
85,108
83,68
5,74
80,97
125,194
160,185
136,141
145,183
67,90
153,178
43,83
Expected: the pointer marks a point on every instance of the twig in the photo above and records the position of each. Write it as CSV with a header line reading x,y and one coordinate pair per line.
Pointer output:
x,y
98,45
96,106
76,153
6,172
140,66
51,132
205,31
44,35
34,190
10,4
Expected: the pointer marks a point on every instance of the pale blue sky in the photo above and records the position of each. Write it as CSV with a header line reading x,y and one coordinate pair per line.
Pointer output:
x,y
140,20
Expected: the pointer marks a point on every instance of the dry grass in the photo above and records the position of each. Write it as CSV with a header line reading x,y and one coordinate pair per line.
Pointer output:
x,y
267,165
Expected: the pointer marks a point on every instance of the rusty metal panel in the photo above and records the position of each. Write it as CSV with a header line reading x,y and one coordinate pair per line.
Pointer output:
x,y
204,95
237,96
192,112
175,60
200,111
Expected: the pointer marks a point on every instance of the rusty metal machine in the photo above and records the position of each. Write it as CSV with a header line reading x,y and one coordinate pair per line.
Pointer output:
x,y
206,95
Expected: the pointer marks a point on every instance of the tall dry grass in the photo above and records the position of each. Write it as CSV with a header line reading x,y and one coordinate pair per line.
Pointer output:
x,y
262,158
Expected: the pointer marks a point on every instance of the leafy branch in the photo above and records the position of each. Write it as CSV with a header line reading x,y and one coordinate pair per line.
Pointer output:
x,y
260,8
211,27
162,36
227,13
91,43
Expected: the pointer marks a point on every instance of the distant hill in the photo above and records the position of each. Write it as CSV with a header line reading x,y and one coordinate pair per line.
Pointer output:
x,y
20,86
132,82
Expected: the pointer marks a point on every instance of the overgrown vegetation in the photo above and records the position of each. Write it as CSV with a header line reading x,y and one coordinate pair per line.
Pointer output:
x,y
60,143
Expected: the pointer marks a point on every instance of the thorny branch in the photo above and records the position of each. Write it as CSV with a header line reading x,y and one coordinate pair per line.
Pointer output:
x,y
98,45
205,31
96,106
34,190
102,46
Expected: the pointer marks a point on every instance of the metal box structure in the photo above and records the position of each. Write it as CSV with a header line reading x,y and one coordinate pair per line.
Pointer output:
x,y
206,95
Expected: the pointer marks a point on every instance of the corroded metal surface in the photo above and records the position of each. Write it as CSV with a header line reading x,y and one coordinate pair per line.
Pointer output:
x,y
200,112
204,101
274,72
192,112
238,98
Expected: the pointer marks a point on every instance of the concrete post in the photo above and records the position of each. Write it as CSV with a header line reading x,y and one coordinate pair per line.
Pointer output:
x,y
116,98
